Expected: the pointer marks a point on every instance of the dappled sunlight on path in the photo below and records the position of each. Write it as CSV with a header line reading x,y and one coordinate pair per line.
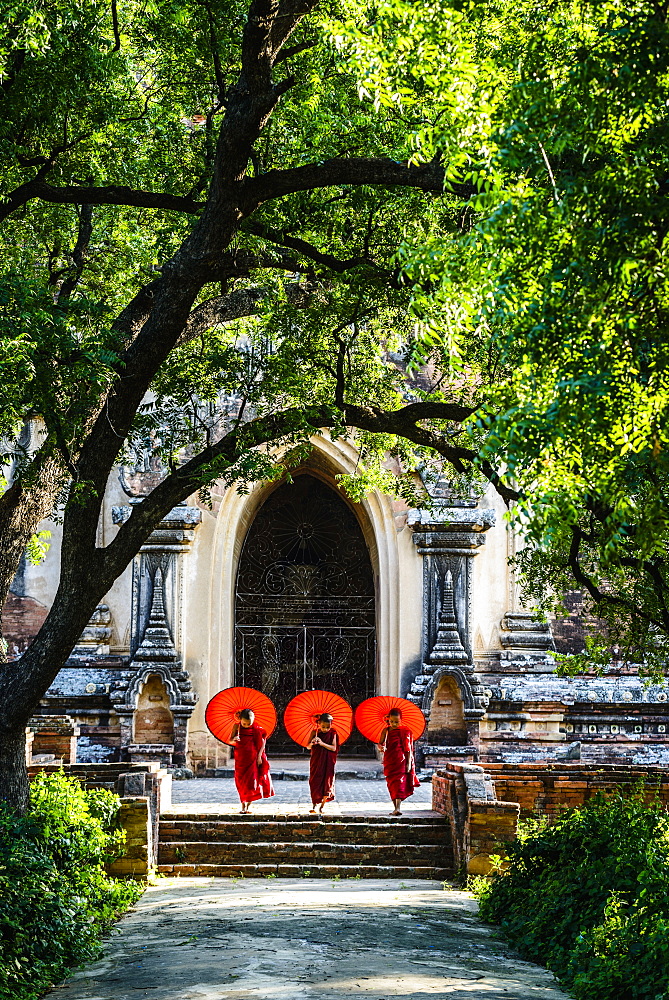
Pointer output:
x,y
304,939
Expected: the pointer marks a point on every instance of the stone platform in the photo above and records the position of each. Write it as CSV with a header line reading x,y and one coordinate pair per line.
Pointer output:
x,y
297,769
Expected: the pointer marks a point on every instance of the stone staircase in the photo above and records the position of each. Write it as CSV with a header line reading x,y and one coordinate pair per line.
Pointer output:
x,y
299,846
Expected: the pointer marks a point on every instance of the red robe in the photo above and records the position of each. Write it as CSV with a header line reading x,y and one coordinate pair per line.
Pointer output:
x,y
399,748
253,782
322,768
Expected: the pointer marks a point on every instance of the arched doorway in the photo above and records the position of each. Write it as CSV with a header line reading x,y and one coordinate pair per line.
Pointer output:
x,y
304,602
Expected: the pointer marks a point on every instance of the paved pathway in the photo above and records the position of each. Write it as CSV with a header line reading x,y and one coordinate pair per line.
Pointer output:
x,y
294,939
353,798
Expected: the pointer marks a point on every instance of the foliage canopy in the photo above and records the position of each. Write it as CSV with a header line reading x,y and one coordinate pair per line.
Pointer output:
x,y
557,114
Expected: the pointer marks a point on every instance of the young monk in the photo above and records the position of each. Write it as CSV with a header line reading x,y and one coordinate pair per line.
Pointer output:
x,y
324,746
252,776
396,745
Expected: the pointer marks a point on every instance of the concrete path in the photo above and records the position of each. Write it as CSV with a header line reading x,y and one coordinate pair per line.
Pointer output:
x,y
294,939
354,797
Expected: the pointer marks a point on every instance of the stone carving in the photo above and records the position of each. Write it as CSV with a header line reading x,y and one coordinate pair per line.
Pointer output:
x,y
448,647
524,632
155,623
448,538
94,640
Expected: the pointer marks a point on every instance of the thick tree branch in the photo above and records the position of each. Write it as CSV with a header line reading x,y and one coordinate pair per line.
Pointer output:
x,y
599,597
428,177
79,253
190,477
117,35
302,247
73,194
239,303
404,423
293,50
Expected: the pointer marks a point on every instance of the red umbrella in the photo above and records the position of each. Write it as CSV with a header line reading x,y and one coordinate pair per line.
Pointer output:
x,y
220,714
303,710
370,716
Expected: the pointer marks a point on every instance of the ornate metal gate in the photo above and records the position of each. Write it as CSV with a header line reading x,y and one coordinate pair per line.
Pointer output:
x,y
305,610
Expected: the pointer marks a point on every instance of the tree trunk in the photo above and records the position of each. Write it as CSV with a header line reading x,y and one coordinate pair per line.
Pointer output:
x,y
14,789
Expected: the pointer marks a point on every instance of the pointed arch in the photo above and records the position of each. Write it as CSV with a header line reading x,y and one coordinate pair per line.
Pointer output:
x,y
235,515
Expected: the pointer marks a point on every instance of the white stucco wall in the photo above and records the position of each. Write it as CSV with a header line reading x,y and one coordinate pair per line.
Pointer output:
x,y
492,584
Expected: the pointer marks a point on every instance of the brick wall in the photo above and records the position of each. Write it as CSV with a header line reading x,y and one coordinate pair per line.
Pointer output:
x,y
491,825
144,791
22,618
57,735
545,789
480,823
569,632
139,856
483,804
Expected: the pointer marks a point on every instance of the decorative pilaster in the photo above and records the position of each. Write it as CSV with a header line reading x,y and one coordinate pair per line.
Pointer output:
x,y
157,606
162,551
448,538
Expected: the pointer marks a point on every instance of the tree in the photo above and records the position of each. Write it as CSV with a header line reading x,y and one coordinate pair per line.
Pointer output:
x,y
559,272
283,204
196,203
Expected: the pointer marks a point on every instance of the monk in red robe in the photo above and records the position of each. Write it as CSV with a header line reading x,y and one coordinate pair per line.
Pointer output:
x,y
324,746
396,745
252,776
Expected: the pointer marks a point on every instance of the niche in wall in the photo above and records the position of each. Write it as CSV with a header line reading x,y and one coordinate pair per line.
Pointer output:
x,y
447,718
154,722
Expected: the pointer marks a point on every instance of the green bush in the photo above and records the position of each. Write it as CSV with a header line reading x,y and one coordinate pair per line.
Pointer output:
x,y
588,896
56,901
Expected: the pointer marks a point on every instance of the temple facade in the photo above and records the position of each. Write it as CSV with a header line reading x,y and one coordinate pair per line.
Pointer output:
x,y
292,586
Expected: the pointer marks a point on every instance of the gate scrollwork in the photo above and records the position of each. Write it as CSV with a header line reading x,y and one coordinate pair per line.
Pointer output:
x,y
305,608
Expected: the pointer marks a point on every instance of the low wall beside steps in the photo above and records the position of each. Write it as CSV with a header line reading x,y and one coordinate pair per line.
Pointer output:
x,y
484,803
145,790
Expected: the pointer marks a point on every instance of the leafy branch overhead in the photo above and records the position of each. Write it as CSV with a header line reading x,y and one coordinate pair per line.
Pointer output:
x,y
201,220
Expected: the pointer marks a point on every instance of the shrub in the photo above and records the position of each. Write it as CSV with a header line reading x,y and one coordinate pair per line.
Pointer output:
x,y
588,896
56,901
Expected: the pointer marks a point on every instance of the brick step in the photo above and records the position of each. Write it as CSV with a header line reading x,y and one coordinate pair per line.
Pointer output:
x,y
233,815
214,852
308,871
299,831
